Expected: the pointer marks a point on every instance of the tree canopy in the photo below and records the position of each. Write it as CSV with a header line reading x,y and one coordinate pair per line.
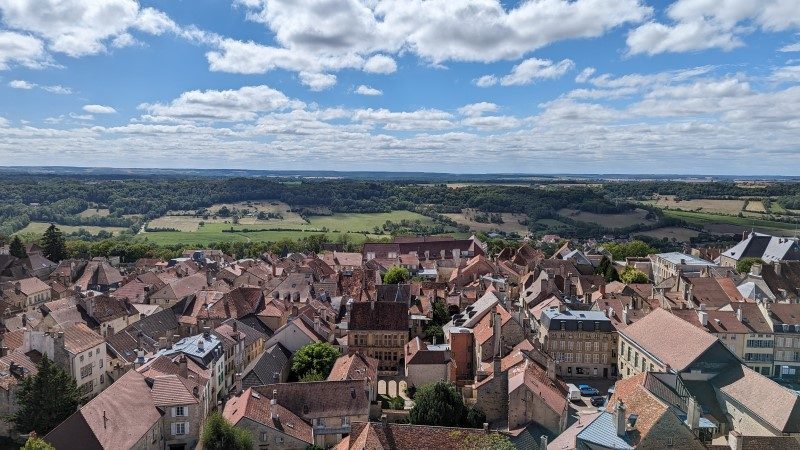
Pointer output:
x,y
632,249
313,362
632,276
45,399
441,404
219,434
396,275
35,443
744,264
17,248
53,246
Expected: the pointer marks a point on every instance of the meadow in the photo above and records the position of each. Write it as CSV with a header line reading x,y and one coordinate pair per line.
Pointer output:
x,y
357,227
622,220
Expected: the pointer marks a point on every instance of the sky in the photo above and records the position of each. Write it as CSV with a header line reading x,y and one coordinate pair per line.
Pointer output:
x,y
464,86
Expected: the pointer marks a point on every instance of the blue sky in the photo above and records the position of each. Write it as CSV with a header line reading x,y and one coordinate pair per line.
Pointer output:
x,y
543,86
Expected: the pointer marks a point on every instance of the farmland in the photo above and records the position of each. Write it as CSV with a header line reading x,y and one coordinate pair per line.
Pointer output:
x,y
510,222
718,223
677,233
356,226
622,220
701,205
39,228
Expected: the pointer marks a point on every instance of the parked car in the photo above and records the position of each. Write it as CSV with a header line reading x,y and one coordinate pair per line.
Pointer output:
x,y
574,392
598,400
588,391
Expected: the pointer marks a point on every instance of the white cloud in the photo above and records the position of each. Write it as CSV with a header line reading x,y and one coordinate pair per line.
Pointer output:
x,y
533,69
703,24
318,37
317,81
380,64
57,89
790,48
423,119
21,49
83,27
477,109
366,90
486,81
99,109
21,84
789,74
242,104
585,74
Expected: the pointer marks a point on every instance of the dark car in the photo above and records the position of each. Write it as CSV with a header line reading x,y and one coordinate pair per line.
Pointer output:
x,y
598,400
588,391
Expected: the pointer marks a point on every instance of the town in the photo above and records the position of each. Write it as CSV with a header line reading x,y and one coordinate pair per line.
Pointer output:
x,y
426,342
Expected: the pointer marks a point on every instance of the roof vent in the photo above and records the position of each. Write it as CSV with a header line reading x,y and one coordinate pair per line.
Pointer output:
x,y
632,420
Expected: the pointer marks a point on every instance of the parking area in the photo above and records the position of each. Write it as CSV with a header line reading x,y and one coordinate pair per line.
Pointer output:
x,y
584,405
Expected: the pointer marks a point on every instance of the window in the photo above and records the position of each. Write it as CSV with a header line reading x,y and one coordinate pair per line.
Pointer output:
x,y
86,370
345,421
180,428
670,441
278,440
597,346
596,358
587,346
263,437
179,411
579,358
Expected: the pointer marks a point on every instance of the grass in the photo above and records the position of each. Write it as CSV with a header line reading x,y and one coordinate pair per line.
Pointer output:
x,y
40,227
755,206
510,222
357,228
703,205
678,233
91,212
708,219
623,220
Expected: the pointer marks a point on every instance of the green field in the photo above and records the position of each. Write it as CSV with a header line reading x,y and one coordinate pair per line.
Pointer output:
x,y
40,227
357,227
710,220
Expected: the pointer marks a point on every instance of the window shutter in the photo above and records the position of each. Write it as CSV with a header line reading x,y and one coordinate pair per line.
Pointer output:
x,y
173,411
172,426
186,424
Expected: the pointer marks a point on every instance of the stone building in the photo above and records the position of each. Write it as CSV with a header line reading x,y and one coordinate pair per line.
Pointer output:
x,y
379,330
581,342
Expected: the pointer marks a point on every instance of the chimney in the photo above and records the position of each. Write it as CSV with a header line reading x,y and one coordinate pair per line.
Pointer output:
x,y
17,288
568,285
201,344
693,414
735,440
603,289
105,419
183,367
551,368
543,442
316,323
703,317
273,414
209,278
372,305
142,316
235,326
24,320
3,351
625,314
739,314
237,382
486,427
384,420
162,343
777,267
755,269
619,417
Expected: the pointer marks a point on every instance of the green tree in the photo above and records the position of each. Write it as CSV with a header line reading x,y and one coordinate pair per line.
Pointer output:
x,y
45,399
35,443
632,249
16,248
53,245
489,441
607,270
219,434
475,417
440,317
396,275
631,276
744,264
438,404
314,360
